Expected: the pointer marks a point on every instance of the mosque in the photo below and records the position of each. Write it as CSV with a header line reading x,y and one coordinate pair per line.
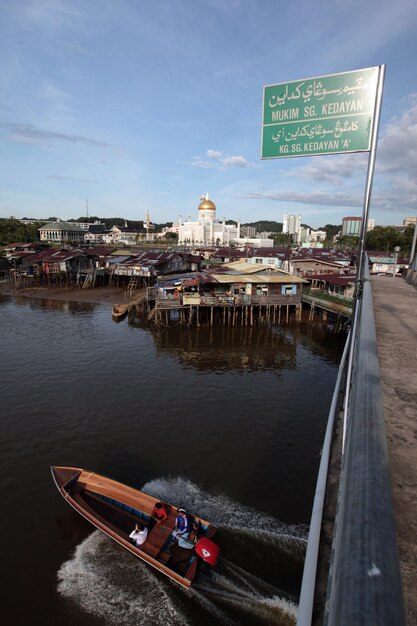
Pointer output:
x,y
208,230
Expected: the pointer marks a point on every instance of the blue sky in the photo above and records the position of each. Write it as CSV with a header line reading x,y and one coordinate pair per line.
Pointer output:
x,y
138,106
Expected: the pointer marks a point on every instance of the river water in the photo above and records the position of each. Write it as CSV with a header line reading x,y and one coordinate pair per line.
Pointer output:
x,y
227,422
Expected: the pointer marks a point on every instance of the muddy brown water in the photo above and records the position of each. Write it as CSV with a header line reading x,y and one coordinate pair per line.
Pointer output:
x,y
227,422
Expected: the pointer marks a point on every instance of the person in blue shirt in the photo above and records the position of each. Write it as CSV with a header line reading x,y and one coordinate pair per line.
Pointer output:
x,y
182,529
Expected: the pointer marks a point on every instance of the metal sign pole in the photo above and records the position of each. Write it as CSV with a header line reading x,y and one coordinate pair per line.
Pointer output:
x,y
361,250
370,175
413,248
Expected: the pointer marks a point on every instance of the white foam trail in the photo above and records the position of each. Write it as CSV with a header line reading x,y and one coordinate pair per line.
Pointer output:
x,y
252,582
238,588
104,580
226,513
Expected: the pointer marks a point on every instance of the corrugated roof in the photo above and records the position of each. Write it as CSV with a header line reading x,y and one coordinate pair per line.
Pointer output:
x,y
317,260
334,279
20,254
380,259
55,255
250,268
119,259
66,226
263,278
19,245
97,251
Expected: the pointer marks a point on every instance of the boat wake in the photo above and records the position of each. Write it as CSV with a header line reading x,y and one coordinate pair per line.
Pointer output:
x,y
226,513
106,581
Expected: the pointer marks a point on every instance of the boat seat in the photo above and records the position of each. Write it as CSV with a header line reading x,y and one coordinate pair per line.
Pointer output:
x,y
137,516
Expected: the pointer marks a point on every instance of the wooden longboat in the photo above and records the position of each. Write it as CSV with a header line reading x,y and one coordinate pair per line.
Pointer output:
x,y
115,509
119,312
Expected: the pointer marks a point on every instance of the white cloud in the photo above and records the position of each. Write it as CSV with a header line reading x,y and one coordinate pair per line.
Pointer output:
x,y
198,162
235,161
217,160
227,161
397,150
317,198
334,169
214,154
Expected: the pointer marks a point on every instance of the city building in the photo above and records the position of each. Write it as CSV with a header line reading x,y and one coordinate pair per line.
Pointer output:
x,y
291,225
95,233
31,220
351,226
61,232
128,234
409,221
248,231
87,225
309,237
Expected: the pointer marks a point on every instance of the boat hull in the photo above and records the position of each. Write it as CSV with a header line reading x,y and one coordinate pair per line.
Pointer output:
x,y
119,312
115,508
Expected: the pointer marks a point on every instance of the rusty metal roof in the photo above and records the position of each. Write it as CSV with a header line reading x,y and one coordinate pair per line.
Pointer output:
x,y
56,255
270,278
334,279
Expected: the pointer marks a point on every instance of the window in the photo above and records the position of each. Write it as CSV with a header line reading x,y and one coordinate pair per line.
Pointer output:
x,y
289,290
261,290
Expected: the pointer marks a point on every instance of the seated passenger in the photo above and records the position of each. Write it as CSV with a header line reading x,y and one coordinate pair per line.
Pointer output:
x,y
159,513
139,535
182,529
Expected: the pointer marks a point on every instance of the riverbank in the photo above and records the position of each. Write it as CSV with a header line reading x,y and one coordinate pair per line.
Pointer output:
x,y
96,295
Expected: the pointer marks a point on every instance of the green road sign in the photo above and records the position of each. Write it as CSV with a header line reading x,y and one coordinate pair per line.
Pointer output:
x,y
323,115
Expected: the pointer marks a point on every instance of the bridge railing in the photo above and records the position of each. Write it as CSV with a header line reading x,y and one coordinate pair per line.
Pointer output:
x,y
364,584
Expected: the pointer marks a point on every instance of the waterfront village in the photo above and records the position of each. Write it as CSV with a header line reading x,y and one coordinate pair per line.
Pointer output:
x,y
204,270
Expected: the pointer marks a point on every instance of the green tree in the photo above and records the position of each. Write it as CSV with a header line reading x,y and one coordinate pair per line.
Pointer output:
x,y
331,230
171,237
383,238
14,231
266,226
281,239
347,242
407,240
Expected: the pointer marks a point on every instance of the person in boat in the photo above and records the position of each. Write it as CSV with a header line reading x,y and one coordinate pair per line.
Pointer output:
x,y
159,513
182,529
139,535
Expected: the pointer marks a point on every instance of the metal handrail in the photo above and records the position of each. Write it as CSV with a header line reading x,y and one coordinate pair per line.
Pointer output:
x,y
305,610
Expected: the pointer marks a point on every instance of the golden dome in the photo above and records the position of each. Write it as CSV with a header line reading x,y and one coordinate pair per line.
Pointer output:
x,y
206,204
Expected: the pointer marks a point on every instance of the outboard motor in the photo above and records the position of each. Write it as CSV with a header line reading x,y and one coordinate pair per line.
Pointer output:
x,y
208,550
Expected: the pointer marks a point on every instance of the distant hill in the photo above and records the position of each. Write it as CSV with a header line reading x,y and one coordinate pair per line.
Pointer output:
x,y
265,226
